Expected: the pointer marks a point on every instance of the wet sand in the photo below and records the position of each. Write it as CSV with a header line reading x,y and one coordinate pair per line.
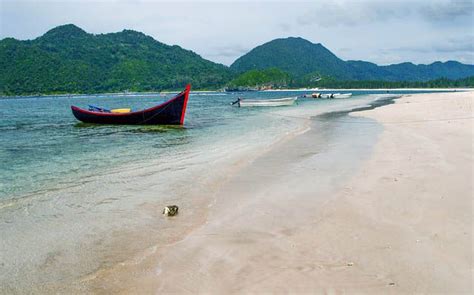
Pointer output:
x,y
388,212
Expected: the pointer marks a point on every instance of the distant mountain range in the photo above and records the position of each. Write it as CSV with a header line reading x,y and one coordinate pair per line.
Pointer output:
x,y
67,59
299,57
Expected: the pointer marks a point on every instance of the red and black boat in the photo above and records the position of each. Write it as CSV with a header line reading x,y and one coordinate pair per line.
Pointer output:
x,y
170,112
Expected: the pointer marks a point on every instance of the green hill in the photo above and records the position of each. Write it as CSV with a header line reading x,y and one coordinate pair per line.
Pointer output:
x,y
296,56
303,60
67,59
261,78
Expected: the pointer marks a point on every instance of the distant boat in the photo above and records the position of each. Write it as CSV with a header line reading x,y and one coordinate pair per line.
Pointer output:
x,y
335,95
286,101
170,112
341,95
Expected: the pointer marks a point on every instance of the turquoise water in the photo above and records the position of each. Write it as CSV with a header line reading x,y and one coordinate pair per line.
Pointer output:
x,y
76,198
42,146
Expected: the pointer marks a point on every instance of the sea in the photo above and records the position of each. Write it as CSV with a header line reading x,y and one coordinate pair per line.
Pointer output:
x,y
79,198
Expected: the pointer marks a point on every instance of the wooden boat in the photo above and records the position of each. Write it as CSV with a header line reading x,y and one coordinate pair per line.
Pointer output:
x,y
170,112
286,101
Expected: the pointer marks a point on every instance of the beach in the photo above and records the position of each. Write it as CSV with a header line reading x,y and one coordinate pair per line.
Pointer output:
x,y
322,148
371,194
384,214
91,197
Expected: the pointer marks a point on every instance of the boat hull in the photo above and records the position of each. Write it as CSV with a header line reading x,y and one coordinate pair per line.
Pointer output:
x,y
343,95
267,102
336,95
171,112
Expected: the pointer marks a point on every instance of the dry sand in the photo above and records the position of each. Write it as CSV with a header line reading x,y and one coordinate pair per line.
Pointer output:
x,y
400,223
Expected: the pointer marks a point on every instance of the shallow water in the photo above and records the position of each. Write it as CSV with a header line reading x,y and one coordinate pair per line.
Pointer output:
x,y
76,198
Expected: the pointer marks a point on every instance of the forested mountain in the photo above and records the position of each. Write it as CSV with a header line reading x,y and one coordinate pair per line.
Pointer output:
x,y
301,59
295,56
67,59
274,78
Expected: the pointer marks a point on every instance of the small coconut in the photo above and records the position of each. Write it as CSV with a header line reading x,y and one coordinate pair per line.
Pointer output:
x,y
170,210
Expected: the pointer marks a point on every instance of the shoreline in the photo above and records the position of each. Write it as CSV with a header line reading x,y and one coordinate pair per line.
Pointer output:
x,y
147,259
147,229
104,279
300,205
375,89
377,231
412,201
152,93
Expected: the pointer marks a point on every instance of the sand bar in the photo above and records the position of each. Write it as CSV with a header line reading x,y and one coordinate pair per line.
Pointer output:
x,y
395,217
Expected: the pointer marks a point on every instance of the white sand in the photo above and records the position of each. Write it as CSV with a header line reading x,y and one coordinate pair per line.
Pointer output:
x,y
402,223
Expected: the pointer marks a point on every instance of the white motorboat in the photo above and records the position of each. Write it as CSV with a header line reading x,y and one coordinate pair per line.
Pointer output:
x,y
336,95
286,101
341,95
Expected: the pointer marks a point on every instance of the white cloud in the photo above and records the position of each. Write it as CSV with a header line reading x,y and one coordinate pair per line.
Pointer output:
x,y
222,31
448,11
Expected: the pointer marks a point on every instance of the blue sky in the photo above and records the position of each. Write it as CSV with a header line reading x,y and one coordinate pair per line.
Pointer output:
x,y
383,32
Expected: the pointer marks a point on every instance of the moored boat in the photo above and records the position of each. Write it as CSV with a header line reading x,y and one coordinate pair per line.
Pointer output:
x,y
326,95
336,95
342,95
286,101
170,112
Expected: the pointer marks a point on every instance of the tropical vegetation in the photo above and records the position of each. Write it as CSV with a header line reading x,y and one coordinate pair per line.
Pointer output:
x,y
67,59
305,60
261,79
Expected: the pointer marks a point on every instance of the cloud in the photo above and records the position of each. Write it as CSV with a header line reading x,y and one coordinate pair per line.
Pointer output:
x,y
345,49
228,50
346,13
462,44
356,13
285,27
417,31
456,48
448,11
225,54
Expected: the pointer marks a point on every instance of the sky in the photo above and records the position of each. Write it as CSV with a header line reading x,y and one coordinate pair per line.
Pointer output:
x,y
383,32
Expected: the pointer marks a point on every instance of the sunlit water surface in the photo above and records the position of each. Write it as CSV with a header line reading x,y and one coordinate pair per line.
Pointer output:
x,y
69,191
